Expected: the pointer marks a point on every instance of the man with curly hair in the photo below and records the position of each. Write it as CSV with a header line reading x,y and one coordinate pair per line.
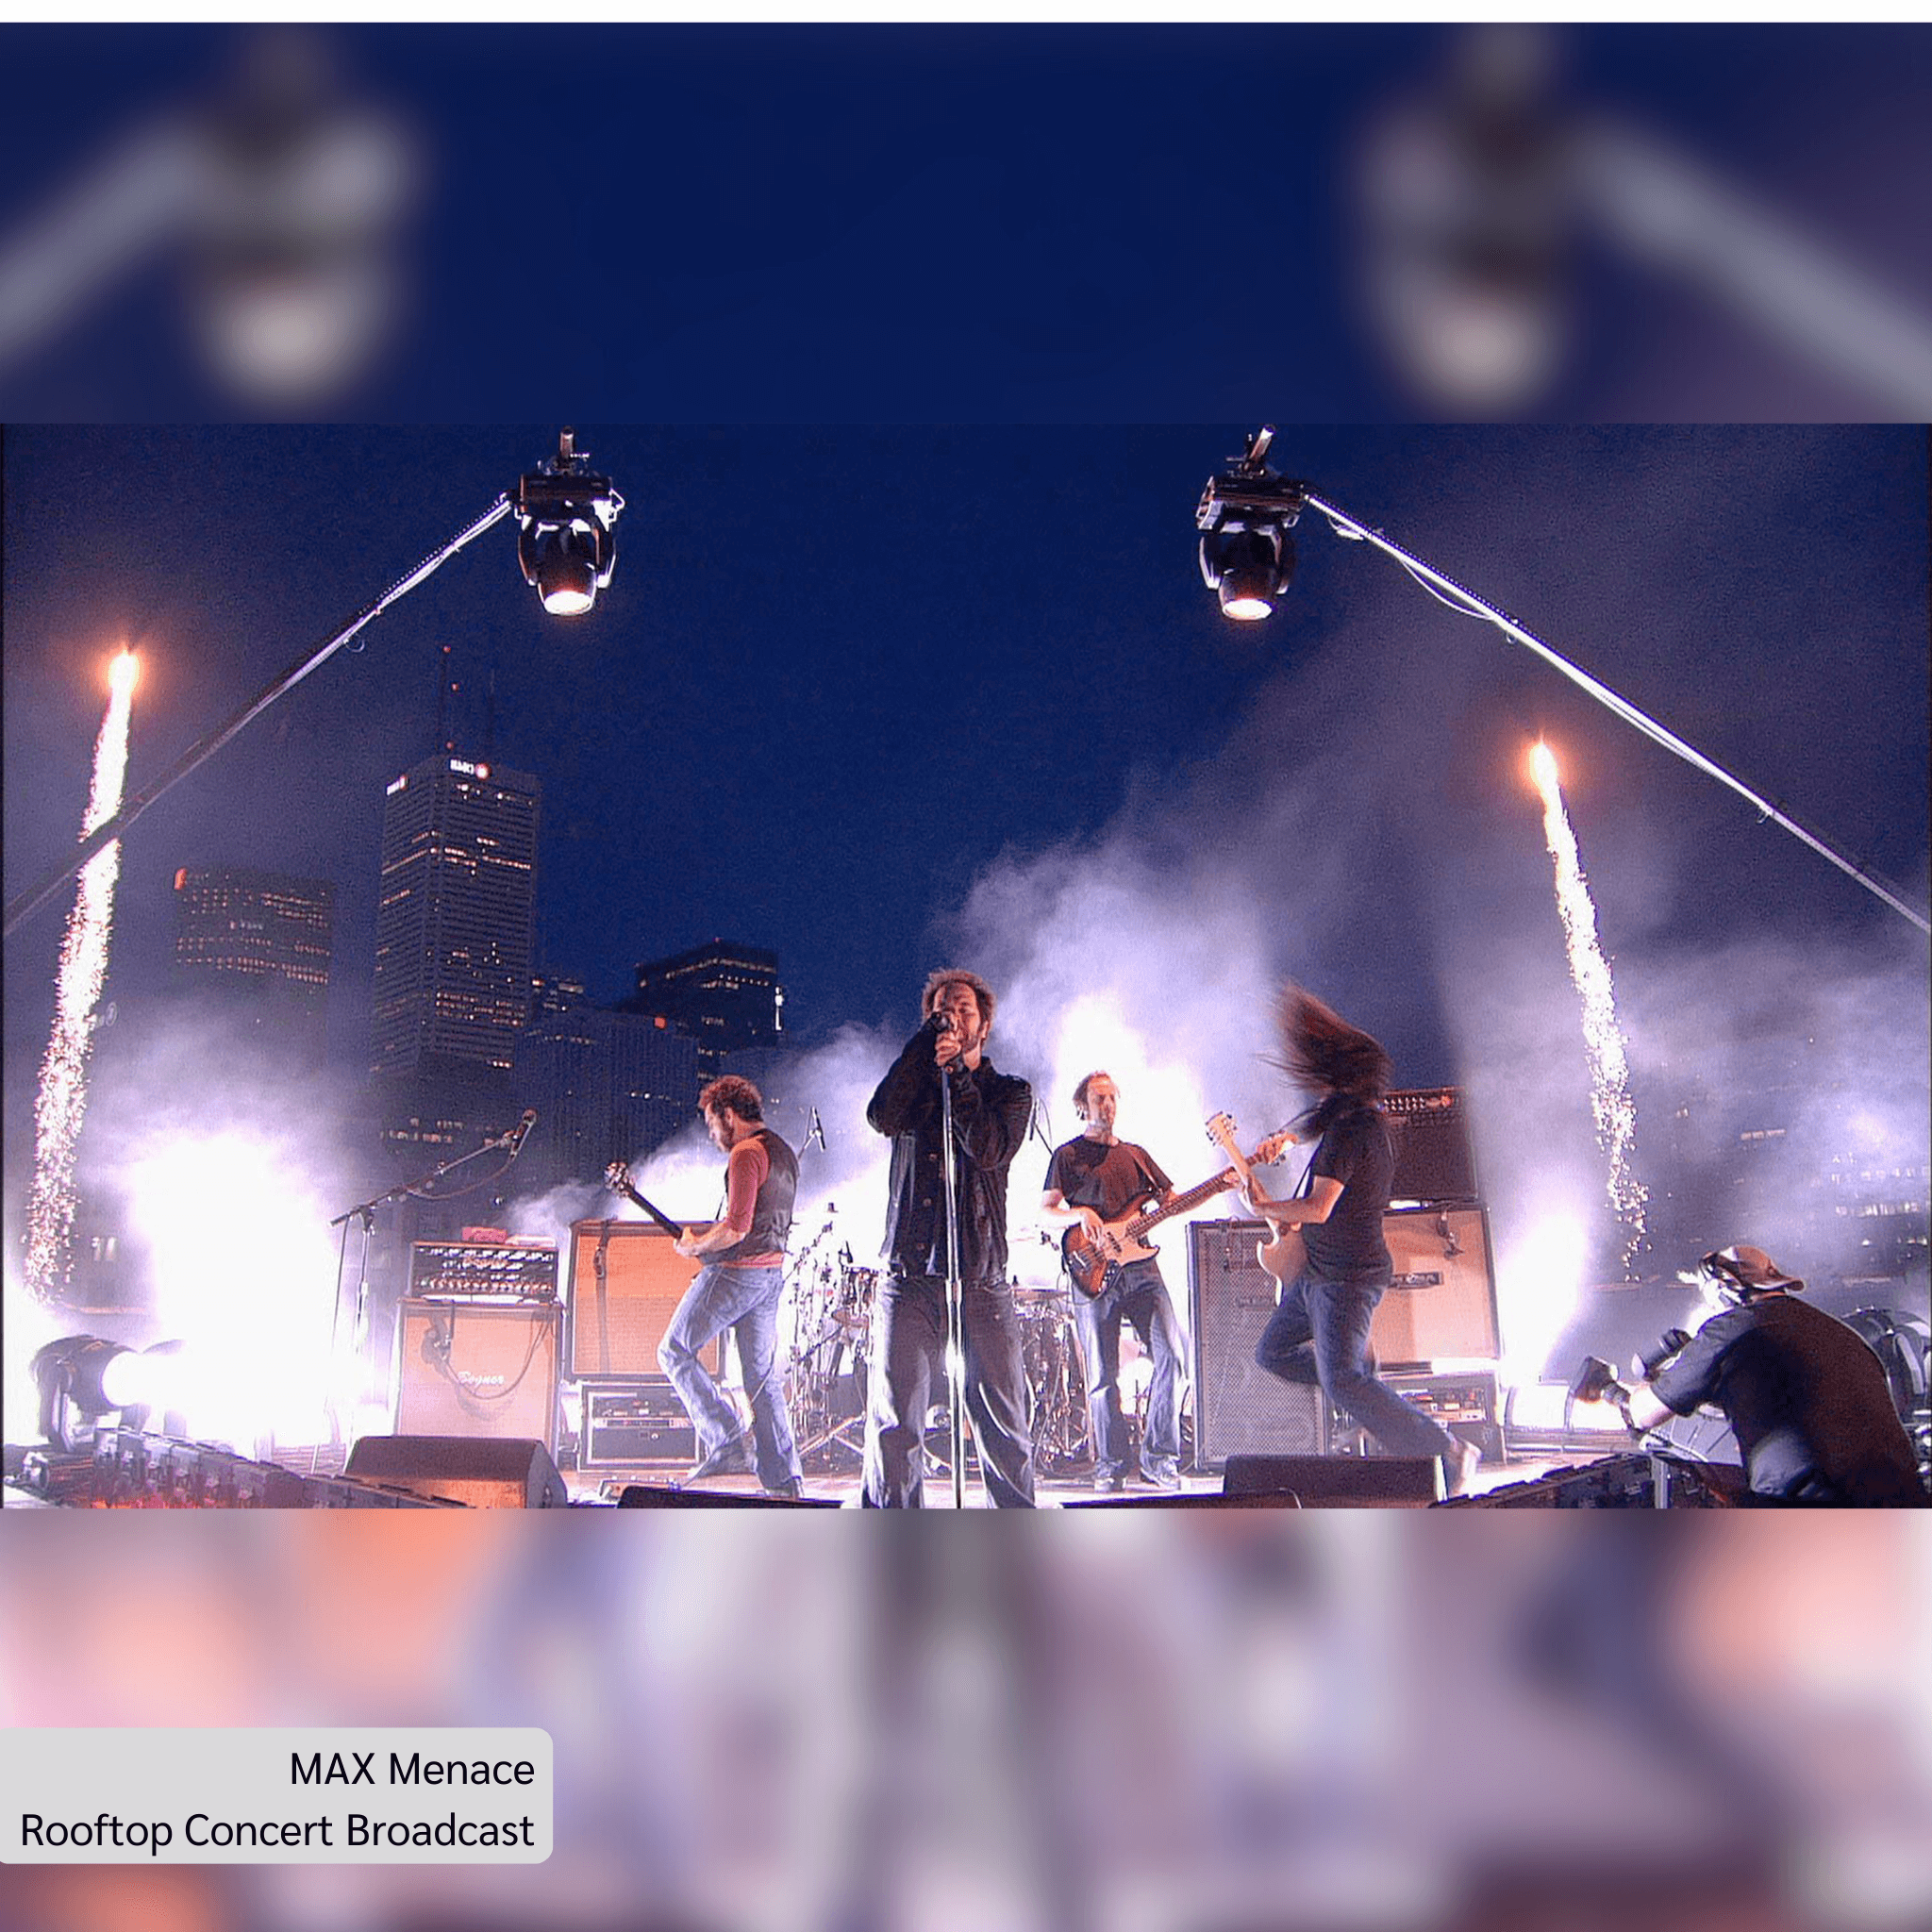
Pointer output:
x,y
737,1288
992,1112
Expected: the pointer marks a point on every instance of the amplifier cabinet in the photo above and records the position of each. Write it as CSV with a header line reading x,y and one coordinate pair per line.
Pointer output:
x,y
1240,1409
483,1368
1442,1302
626,1283
640,1423
1465,1405
1433,1159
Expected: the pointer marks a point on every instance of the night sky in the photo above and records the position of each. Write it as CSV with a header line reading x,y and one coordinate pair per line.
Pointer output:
x,y
879,698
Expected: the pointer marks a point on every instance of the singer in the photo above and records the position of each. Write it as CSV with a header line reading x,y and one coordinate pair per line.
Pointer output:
x,y
990,1114
739,1287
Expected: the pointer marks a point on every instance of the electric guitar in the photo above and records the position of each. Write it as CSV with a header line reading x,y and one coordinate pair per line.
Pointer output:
x,y
1285,1255
617,1178
1094,1260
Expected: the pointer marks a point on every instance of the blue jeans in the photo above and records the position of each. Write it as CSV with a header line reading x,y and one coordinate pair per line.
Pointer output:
x,y
1336,1316
746,1299
1138,1294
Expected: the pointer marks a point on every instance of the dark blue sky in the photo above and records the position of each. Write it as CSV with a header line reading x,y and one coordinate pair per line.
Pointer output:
x,y
968,222
842,671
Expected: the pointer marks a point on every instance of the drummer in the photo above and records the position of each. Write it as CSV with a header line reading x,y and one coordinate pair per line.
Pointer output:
x,y
1094,1179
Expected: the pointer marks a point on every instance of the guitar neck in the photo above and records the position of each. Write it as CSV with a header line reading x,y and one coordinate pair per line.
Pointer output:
x,y
1240,1174
1179,1205
664,1219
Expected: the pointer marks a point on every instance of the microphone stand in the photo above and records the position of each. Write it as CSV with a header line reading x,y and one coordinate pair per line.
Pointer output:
x,y
365,1212
956,1347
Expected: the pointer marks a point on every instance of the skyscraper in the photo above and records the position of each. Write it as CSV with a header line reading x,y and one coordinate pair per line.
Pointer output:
x,y
258,946
725,995
455,924
606,1087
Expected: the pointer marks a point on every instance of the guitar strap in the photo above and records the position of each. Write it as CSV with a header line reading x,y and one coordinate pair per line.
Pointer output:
x,y
1306,1185
1147,1179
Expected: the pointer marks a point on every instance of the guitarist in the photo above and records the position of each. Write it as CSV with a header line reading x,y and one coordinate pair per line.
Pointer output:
x,y
737,1288
1320,1330
1094,1179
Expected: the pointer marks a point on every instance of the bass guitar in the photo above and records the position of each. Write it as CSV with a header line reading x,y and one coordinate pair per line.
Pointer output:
x,y
617,1178
1092,1259
1285,1255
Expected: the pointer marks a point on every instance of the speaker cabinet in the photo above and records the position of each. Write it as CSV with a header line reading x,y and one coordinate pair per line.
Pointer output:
x,y
1433,1159
626,1283
662,1496
476,1369
1240,1409
485,1474
1442,1302
1337,1482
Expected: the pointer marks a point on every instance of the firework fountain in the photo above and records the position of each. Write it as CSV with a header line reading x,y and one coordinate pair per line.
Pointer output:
x,y
60,1104
1589,971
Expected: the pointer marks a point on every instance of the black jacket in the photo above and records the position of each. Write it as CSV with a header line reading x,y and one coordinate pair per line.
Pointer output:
x,y
1807,1399
992,1112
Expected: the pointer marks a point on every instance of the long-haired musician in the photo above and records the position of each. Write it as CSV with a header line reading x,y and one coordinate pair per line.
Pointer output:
x,y
1320,1330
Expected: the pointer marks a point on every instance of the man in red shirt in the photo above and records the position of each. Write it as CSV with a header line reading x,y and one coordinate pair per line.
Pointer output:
x,y
737,1288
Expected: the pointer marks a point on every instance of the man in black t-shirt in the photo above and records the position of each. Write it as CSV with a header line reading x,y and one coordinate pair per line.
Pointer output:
x,y
1091,1180
1805,1395
1320,1329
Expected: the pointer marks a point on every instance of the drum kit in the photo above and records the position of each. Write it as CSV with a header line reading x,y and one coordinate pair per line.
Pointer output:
x,y
831,1328
832,1302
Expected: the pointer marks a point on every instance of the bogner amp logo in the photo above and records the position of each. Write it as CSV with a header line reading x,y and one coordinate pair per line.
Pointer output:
x,y
1425,1278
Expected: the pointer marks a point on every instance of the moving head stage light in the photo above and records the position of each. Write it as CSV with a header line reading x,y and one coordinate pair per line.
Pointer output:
x,y
565,539
1245,514
82,1379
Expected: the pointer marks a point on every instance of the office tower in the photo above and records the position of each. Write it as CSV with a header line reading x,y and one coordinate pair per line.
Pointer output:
x,y
456,918
725,996
606,1086
256,948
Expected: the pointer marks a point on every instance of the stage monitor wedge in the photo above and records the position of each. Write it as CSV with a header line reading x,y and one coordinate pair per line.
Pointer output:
x,y
479,1472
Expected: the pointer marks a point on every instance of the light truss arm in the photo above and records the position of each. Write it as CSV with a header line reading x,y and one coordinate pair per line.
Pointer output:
x,y
199,753
1459,598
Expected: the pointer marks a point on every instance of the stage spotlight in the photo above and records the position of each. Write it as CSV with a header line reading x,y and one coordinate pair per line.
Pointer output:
x,y
1249,569
82,1379
565,541
68,1378
1244,517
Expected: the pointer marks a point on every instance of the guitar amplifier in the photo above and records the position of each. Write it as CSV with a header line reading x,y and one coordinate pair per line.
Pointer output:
x,y
1240,1409
478,1270
1434,1158
626,1283
476,1368
1442,1301
639,1423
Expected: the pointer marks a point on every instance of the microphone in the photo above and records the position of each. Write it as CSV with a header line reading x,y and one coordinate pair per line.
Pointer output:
x,y
939,1023
519,1133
